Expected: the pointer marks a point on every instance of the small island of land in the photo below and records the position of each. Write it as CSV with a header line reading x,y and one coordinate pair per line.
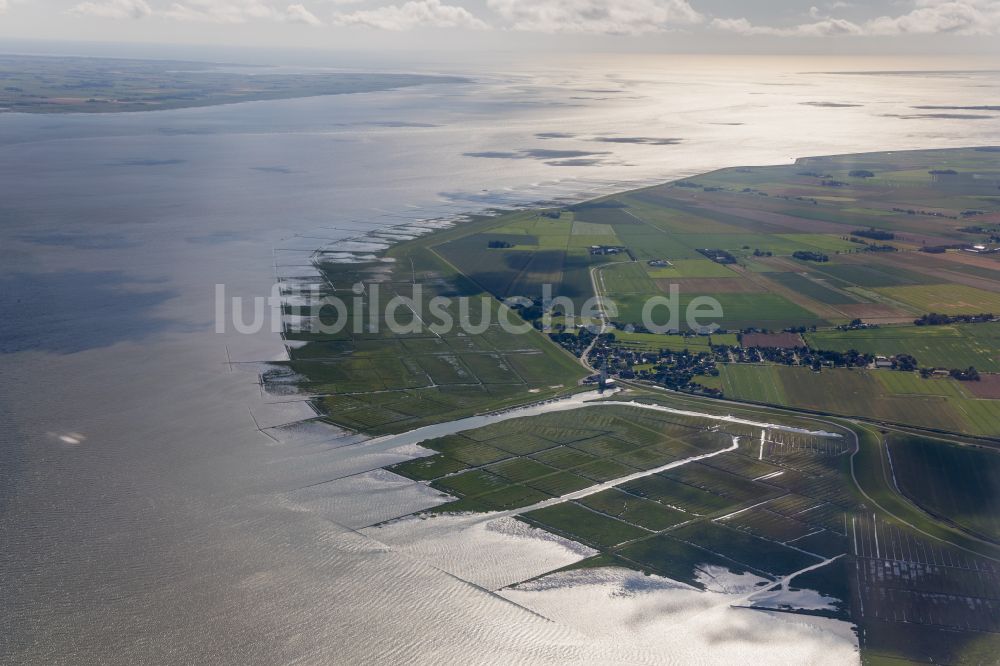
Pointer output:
x,y
44,84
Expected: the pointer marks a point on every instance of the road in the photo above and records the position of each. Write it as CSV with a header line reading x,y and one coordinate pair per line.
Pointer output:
x,y
597,284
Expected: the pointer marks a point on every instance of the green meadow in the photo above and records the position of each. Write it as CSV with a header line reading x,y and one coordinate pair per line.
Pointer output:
x,y
956,482
951,346
883,395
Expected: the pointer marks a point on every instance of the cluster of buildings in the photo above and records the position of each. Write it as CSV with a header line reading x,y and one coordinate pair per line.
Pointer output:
x,y
982,249
606,249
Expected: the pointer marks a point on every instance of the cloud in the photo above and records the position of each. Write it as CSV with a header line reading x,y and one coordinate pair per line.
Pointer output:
x,y
412,14
7,4
113,9
823,28
961,17
615,17
928,17
299,14
221,11
239,11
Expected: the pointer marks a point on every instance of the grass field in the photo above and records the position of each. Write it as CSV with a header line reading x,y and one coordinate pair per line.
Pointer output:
x,y
674,521
693,268
739,311
959,483
763,382
814,289
372,379
953,346
945,299
939,403
655,342
556,454
871,275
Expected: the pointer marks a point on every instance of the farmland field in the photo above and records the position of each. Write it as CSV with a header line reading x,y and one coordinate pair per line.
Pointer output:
x,y
667,230
670,237
871,275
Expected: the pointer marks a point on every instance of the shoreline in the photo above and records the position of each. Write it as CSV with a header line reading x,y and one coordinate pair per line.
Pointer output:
x,y
179,84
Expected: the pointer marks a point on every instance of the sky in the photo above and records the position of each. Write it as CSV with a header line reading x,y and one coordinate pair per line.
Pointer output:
x,y
923,27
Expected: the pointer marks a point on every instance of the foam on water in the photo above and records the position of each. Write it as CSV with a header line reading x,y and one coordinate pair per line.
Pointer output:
x,y
485,550
664,621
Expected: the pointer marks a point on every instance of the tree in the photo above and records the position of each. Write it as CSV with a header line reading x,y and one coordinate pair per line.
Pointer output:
x,y
970,374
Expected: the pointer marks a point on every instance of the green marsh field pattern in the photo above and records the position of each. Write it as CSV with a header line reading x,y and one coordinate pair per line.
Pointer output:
x,y
835,437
